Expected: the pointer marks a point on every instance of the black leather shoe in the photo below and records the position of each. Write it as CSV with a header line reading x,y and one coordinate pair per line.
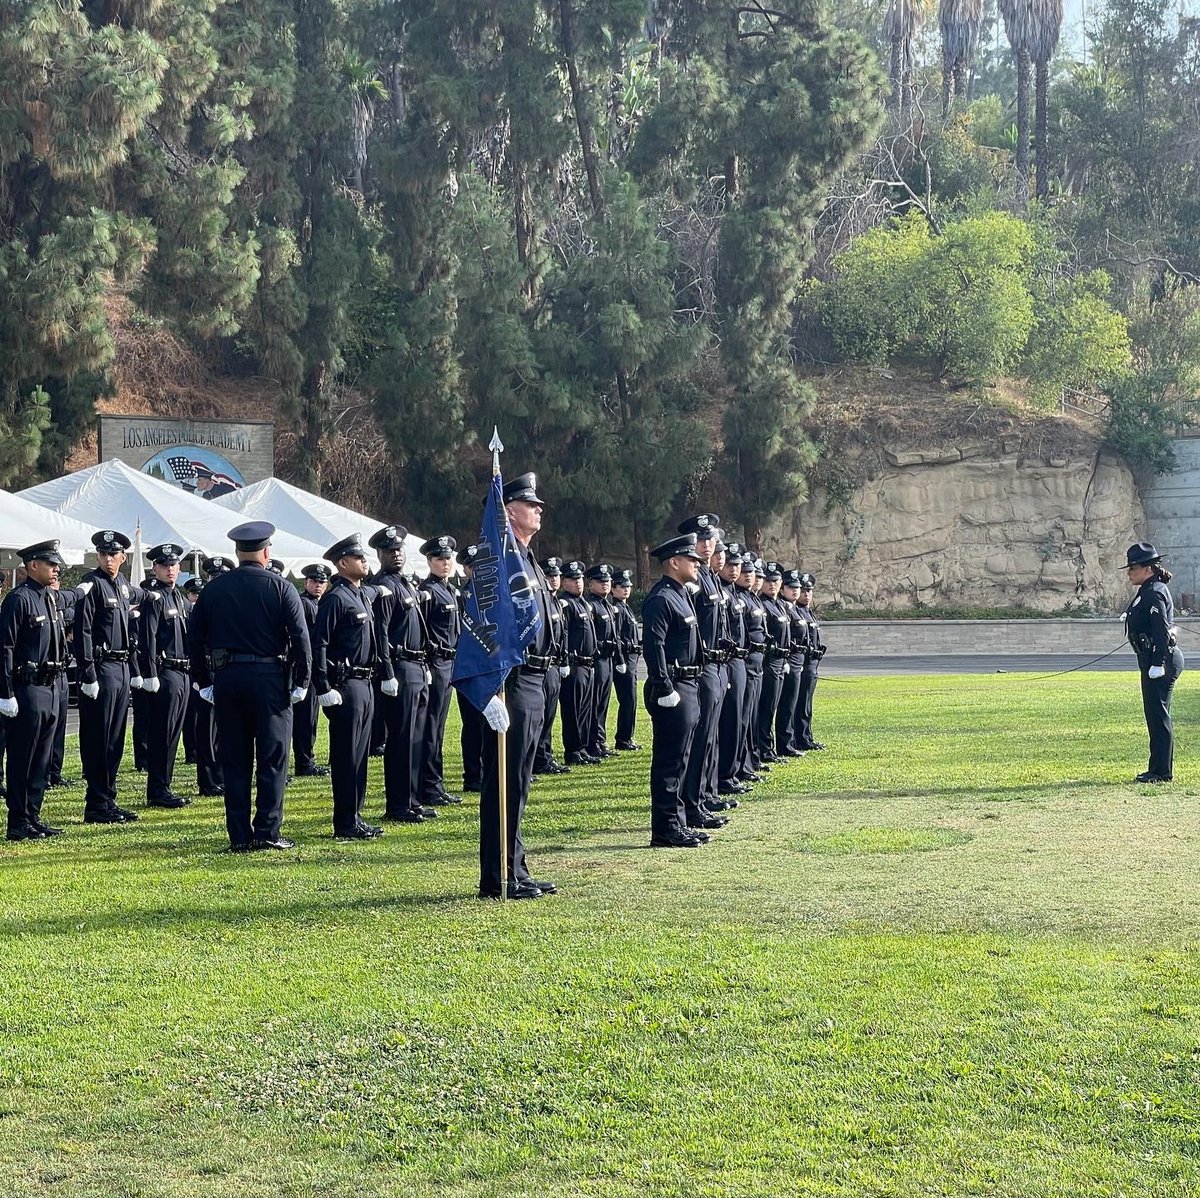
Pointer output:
x,y
722,805
816,746
557,767
709,821
628,746
751,778
472,788
60,783
792,753
372,830
675,840
404,817
359,833
217,792
168,800
577,759
1149,777
428,813
698,834
732,788
241,847
769,757
127,816
24,832
45,829
317,771
544,887
281,843
515,891
103,817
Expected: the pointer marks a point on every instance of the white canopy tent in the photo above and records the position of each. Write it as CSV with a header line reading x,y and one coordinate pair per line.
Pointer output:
x,y
23,523
311,517
114,495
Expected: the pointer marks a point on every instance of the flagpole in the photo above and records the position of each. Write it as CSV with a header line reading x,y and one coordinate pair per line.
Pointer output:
x,y
497,448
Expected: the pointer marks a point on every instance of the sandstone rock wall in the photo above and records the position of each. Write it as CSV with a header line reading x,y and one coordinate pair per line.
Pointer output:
x,y
976,523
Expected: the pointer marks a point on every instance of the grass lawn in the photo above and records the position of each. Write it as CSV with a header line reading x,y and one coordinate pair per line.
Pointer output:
x,y
954,955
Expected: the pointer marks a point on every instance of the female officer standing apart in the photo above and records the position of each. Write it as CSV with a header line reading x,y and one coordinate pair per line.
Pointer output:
x,y
1149,624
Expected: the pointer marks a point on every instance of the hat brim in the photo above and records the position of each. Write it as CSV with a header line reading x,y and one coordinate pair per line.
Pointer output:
x,y
1146,561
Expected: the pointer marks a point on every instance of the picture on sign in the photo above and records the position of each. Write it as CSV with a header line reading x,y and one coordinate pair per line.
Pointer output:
x,y
201,471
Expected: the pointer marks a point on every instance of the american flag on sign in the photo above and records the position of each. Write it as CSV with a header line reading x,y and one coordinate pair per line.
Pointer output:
x,y
183,469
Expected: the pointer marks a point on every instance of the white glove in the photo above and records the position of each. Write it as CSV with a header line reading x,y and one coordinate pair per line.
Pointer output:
x,y
496,715
1155,672
671,700
136,683
622,668
564,671
330,699
299,694
428,677
90,690
84,587
149,685
206,693
8,707
390,687
787,667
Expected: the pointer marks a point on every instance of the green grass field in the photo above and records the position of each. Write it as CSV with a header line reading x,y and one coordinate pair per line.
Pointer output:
x,y
954,955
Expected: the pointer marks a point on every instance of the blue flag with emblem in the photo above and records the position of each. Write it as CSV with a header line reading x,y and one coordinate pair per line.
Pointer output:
x,y
500,614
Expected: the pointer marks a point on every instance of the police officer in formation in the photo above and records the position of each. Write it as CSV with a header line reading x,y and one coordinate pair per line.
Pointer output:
x,y
609,662
472,729
802,736
66,601
775,660
629,642
251,657
163,665
403,636
442,621
749,584
33,657
304,715
730,747
544,761
346,659
785,714
577,700
200,725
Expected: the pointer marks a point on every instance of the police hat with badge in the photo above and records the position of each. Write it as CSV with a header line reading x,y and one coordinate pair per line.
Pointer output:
x,y
350,546
439,547
523,489
193,586
682,546
166,554
552,567
705,527
601,572
110,541
772,572
807,581
316,572
622,578
791,578
391,537
215,566
467,555
574,569
43,551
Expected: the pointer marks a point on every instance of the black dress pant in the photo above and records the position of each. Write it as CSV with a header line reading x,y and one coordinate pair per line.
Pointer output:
x,y
551,688
349,750
754,680
627,704
576,704
729,730
602,685
674,744
470,739
139,703
526,700
433,780
59,753
700,785
254,729
165,711
29,744
405,718
768,705
802,736
102,723
304,732
203,721
1156,704
379,732
786,711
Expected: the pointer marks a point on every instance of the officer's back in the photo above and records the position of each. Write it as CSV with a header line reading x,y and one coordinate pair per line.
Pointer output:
x,y
249,611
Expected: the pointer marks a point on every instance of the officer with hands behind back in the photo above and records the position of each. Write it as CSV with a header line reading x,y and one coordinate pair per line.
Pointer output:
x,y
442,623
629,637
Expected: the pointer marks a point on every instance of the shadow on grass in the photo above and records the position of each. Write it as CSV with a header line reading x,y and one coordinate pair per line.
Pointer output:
x,y
978,790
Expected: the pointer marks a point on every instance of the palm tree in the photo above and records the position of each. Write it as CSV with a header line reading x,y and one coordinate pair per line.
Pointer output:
x,y
902,22
1048,26
1019,23
960,22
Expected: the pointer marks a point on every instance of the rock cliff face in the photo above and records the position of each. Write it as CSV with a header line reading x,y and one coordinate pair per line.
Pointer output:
x,y
977,523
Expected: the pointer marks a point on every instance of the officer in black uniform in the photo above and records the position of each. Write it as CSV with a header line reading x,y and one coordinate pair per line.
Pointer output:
x,y
442,623
66,601
33,656
277,567
248,642
674,664
700,789
199,725
525,702
579,684
814,650
163,665
1150,626
729,760
544,761
609,661
403,637
304,715
104,650
756,644
473,727
778,650
785,714
629,638
346,658
218,564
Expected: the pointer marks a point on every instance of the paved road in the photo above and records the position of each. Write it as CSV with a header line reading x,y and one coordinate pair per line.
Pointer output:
x,y
945,663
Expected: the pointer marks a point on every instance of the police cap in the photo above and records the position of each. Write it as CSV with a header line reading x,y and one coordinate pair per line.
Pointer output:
x,y
193,586
251,536
467,554
772,571
601,572
350,546
552,566
391,537
439,547
807,581
212,566
574,569
109,541
734,549
277,567
43,551
706,525
684,546
165,554
791,578
317,572
523,489
623,578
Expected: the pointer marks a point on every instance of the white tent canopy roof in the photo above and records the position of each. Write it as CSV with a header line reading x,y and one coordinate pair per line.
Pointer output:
x,y
23,523
311,517
114,495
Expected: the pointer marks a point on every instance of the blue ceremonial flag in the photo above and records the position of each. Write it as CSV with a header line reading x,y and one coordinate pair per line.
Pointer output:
x,y
500,615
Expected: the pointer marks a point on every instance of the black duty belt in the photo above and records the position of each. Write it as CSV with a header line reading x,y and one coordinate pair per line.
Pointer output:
x,y
356,672
112,655
444,654
39,673
222,658
174,663
399,653
715,657
755,649
539,664
684,673
578,659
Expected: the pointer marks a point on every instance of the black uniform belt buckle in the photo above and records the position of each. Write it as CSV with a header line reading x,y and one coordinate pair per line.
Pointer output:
x,y
445,654
175,663
43,673
358,671
399,653
222,658
537,663
112,655
715,657
684,673
577,659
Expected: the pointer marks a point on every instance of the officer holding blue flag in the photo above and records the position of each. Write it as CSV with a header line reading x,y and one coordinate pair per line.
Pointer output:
x,y
503,654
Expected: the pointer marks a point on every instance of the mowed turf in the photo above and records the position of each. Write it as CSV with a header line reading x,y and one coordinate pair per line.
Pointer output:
x,y
956,954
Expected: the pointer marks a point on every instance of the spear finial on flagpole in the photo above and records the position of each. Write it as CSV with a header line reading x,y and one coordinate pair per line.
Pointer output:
x,y
497,448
